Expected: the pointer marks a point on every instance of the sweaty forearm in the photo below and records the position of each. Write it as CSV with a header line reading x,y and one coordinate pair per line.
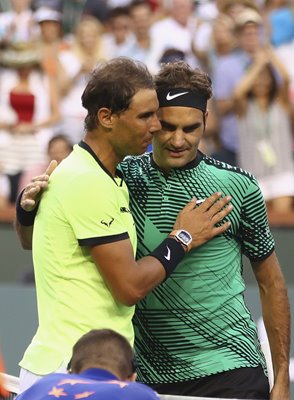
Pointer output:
x,y
25,234
134,279
276,315
158,265
24,224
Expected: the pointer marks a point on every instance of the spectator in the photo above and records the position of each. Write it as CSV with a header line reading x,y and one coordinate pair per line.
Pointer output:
x,y
227,73
30,110
59,147
97,8
233,8
223,40
281,22
85,52
102,367
52,43
141,20
285,54
18,25
119,34
207,10
158,8
175,31
265,129
280,18
222,45
52,4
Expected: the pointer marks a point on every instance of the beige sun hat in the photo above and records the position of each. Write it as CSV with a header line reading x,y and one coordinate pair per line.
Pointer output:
x,y
248,15
20,55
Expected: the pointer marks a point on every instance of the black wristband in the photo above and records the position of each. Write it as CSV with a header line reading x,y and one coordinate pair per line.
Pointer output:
x,y
25,218
170,252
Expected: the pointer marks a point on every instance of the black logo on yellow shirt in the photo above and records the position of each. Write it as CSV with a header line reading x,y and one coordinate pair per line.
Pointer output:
x,y
124,210
107,223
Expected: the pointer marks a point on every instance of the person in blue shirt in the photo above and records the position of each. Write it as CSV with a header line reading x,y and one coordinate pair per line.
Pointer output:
x,y
102,367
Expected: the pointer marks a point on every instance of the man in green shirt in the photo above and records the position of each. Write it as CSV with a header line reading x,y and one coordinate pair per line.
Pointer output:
x,y
194,335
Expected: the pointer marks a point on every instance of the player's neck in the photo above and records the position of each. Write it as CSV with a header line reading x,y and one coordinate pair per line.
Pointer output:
x,y
104,151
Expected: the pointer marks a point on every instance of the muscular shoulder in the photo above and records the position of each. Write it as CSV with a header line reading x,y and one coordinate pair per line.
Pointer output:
x,y
230,179
226,170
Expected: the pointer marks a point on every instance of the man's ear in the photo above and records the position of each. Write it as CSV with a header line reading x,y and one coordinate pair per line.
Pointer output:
x,y
105,117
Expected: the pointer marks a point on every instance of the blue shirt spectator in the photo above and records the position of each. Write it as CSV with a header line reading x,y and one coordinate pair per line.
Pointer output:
x,y
94,383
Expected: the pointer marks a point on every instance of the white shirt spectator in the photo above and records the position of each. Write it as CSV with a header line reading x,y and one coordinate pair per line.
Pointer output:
x,y
18,27
168,33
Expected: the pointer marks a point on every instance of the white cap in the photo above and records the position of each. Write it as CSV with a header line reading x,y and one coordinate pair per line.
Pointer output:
x,y
47,14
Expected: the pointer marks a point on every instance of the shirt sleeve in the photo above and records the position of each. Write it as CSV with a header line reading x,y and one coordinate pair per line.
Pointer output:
x,y
256,237
94,211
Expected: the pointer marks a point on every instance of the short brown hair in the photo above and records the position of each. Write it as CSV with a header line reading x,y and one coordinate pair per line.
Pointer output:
x,y
103,348
112,85
179,74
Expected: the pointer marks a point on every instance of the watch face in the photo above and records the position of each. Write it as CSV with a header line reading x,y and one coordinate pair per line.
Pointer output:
x,y
184,236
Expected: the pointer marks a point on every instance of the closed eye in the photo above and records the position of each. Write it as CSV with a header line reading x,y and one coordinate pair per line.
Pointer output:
x,y
166,126
191,128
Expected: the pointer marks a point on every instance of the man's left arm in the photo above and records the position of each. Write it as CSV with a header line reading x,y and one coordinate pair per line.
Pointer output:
x,y
276,316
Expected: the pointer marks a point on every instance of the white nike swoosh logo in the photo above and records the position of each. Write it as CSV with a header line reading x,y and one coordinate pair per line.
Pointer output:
x,y
167,257
173,96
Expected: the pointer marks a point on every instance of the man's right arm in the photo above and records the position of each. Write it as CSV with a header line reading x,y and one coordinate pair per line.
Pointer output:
x,y
129,280
27,203
133,280
25,234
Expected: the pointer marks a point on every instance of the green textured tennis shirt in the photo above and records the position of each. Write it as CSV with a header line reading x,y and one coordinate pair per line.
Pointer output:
x,y
84,206
196,323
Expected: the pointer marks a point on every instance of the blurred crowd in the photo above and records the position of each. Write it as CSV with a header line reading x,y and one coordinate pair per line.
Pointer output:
x,y
49,47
